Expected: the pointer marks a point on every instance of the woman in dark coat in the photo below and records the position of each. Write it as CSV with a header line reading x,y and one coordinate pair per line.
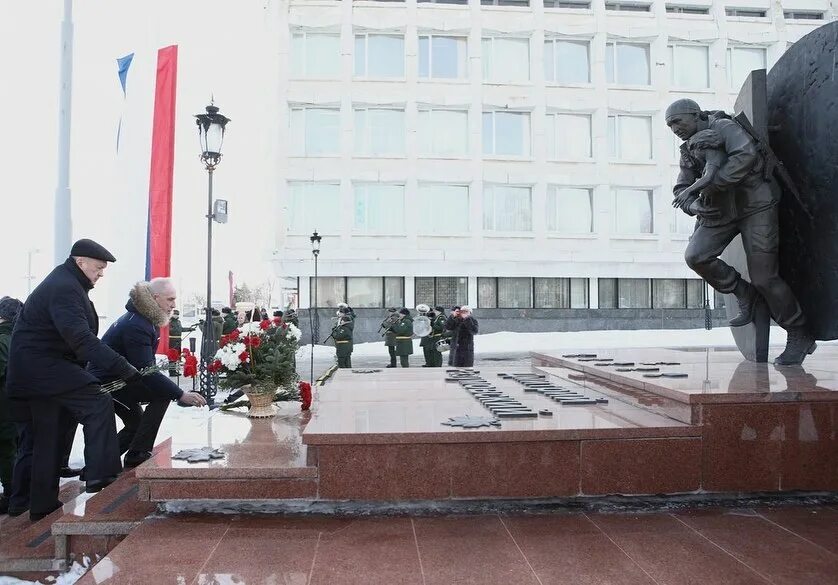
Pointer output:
x,y
466,329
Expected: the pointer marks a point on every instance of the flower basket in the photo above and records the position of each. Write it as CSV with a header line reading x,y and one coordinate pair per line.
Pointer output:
x,y
261,403
258,358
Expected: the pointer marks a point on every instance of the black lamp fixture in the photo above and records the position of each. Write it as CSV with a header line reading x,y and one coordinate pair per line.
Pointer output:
x,y
211,135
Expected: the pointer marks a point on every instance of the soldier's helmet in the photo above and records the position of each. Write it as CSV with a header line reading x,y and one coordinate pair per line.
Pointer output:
x,y
682,106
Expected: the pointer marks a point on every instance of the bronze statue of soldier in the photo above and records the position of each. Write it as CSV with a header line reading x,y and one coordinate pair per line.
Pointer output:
x,y
738,195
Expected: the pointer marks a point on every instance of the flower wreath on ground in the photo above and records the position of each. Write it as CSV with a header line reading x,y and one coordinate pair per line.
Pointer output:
x,y
261,356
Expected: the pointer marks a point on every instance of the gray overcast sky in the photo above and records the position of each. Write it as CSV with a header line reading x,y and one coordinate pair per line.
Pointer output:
x,y
224,49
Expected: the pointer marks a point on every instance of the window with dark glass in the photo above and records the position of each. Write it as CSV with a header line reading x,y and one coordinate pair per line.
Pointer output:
x,y
447,291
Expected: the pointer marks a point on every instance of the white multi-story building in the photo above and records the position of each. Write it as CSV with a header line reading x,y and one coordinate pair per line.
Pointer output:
x,y
508,154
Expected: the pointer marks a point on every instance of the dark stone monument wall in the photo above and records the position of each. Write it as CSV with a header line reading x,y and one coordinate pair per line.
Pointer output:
x,y
537,320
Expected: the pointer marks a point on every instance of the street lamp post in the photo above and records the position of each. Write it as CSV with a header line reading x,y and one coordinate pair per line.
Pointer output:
x,y
29,276
211,135
315,326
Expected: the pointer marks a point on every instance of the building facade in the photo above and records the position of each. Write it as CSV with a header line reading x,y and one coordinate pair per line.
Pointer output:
x,y
507,154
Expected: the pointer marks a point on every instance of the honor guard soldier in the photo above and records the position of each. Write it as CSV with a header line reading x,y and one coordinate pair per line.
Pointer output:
x,y
390,335
230,321
342,334
175,338
426,342
403,328
437,333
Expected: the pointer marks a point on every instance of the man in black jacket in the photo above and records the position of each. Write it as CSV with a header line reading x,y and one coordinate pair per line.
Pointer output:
x,y
464,328
135,335
54,338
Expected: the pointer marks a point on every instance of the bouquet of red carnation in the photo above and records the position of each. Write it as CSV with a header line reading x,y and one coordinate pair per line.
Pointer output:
x,y
190,364
305,395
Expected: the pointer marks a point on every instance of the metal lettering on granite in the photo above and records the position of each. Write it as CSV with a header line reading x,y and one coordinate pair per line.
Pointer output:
x,y
467,421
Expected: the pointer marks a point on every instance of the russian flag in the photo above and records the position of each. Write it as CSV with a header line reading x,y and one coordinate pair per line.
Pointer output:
x,y
145,143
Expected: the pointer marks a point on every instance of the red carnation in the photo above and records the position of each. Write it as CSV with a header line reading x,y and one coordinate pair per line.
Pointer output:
x,y
234,334
185,353
277,321
264,324
244,356
225,339
305,395
214,366
173,354
252,341
190,367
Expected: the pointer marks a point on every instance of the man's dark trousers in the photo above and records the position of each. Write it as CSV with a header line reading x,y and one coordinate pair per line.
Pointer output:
x,y
94,410
141,425
760,238
392,350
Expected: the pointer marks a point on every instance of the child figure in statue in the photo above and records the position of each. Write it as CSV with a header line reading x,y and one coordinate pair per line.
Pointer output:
x,y
705,147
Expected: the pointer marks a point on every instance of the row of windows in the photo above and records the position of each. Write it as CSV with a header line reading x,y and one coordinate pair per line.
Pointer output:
x,y
507,60
378,209
316,131
635,7
511,292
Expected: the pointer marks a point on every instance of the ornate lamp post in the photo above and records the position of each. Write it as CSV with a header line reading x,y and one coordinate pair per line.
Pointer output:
x,y
315,326
211,135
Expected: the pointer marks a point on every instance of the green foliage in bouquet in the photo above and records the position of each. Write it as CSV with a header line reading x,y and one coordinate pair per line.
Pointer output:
x,y
260,355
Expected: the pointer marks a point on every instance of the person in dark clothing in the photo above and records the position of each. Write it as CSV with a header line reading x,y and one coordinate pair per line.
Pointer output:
x,y
9,309
403,328
135,336
464,329
175,338
230,321
342,334
450,326
54,338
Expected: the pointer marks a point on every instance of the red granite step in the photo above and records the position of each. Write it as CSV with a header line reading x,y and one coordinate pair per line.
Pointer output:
x,y
27,546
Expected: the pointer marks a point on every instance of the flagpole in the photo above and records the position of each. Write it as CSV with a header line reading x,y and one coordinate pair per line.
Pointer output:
x,y
63,201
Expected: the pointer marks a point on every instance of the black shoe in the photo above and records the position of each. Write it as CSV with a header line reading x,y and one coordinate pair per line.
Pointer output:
x,y
15,512
34,517
800,343
92,486
70,472
746,298
4,504
391,366
135,458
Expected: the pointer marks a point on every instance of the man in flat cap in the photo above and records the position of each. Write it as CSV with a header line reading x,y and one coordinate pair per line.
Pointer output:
x,y
54,339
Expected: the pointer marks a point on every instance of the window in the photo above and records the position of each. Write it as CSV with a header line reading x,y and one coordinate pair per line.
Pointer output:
x,y
561,293
627,7
630,137
330,291
568,136
567,61
740,62
624,293
569,210
677,293
574,4
505,2
443,209
379,132
447,291
314,206
507,209
802,15
506,59
314,131
514,293
506,133
633,211
443,57
463,2
315,55
378,56
745,12
627,64
689,66
443,132
487,293
379,208
675,9
359,291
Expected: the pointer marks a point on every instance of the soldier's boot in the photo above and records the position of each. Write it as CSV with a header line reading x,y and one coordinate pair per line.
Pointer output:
x,y
392,357
799,344
746,298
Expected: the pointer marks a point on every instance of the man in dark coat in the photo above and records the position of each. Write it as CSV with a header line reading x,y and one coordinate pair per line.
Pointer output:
x,y
9,309
450,328
55,337
135,336
403,328
230,321
464,330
